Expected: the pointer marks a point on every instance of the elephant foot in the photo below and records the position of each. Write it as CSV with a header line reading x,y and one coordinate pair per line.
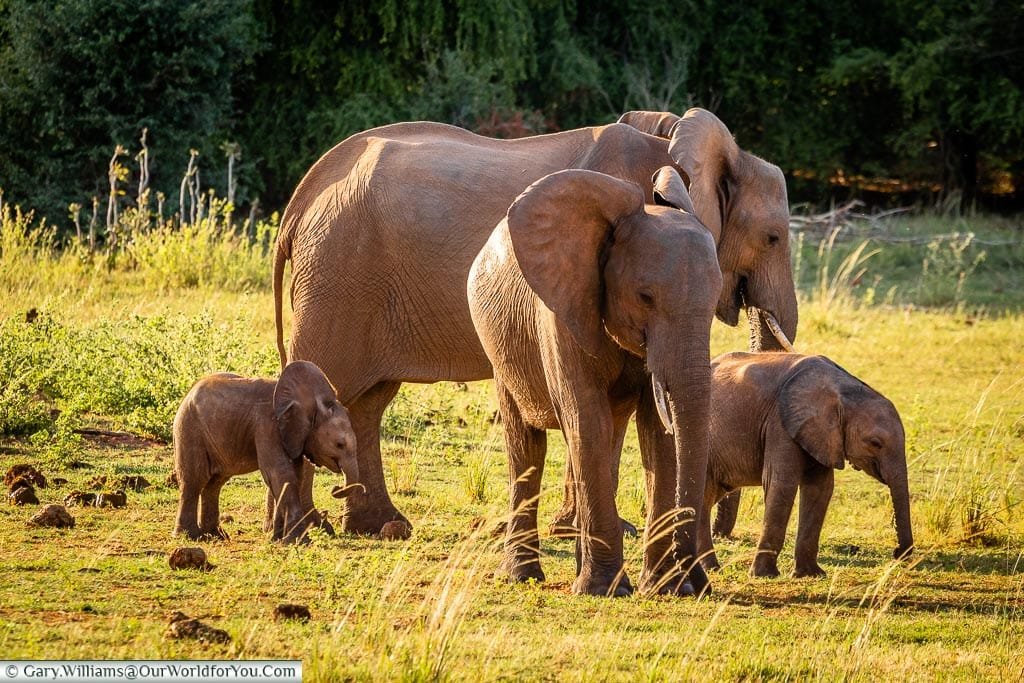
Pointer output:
x,y
628,529
710,563
672,583
190,534
812,570
325,526
523,570
699,579
902,553
615,585
765,568
368,520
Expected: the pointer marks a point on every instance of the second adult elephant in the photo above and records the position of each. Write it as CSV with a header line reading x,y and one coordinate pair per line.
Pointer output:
x,y
382,230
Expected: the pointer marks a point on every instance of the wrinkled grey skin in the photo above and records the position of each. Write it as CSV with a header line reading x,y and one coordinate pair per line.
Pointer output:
x,y
382,230
578,297
229,425
786,421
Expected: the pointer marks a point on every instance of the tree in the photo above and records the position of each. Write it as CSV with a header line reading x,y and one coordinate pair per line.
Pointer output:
x,y
78,77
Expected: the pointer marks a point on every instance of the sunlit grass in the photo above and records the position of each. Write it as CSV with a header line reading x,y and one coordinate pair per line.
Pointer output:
x,y
107,341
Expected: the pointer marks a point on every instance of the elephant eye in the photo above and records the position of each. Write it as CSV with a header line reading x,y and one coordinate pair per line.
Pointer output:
x,y
773,239
875,442
646,298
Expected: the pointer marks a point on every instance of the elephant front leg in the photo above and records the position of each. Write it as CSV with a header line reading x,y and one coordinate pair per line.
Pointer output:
x,y
590,439
815,494
780,493
526,448
282,478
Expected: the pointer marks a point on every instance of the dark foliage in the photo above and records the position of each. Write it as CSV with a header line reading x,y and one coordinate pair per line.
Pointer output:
x,y
918,97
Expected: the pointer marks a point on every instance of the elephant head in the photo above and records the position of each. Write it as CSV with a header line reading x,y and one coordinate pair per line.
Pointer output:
x,y
742,200
311,421
835,417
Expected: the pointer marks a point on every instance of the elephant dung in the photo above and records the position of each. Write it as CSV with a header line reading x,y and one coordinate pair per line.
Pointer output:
x,y
113,499
182,626
395,530
82,498
23,495
171,481
24,471
97,482
135,483
287,611
58,481
189,558
53,516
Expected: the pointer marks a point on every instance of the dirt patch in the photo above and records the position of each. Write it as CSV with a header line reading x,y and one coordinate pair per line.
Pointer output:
x,y
53,516
117,439
184,627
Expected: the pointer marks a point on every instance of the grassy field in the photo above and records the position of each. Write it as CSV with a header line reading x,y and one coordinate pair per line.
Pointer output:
x,y
931,319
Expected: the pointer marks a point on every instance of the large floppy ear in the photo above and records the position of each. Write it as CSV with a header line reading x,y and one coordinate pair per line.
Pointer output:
x,y
651,122
811,408
303,396
558,228
705,150
669,190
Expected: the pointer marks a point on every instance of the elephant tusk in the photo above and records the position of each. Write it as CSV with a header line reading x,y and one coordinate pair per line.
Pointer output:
x,y
776,330
662,405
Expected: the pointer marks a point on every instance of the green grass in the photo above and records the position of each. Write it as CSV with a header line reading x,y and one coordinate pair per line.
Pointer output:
x,y
116,346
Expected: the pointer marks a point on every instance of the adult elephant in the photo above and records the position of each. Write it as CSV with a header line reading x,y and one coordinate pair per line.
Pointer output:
x,y
383,229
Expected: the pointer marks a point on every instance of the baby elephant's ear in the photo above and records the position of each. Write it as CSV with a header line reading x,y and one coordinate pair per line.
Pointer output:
x,y
811,408
301,392
669,190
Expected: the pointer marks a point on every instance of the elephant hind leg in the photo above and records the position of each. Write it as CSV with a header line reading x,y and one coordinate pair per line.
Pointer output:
x,y
209,508
725,515
526,447
368,511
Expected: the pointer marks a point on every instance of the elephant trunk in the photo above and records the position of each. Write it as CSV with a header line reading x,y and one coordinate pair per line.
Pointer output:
x,y
901,507
772,311
689,404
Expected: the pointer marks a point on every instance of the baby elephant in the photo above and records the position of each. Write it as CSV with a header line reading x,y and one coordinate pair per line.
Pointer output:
x,y
786,421
229,425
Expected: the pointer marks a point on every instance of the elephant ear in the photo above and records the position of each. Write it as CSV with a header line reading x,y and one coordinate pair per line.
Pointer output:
x,y
302,397
669,190
705,150
811,408
558,228
657,123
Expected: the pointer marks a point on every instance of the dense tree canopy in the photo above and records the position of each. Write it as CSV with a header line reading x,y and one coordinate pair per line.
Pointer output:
x,y
920,93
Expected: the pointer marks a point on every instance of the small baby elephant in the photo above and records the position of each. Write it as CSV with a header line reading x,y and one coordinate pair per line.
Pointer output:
x,y
229,425
786,421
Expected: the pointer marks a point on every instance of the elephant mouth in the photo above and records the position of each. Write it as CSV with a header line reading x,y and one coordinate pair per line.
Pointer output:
x,y
332,466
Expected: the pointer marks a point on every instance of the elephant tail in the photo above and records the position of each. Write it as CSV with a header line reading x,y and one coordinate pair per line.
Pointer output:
x,y
281,256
